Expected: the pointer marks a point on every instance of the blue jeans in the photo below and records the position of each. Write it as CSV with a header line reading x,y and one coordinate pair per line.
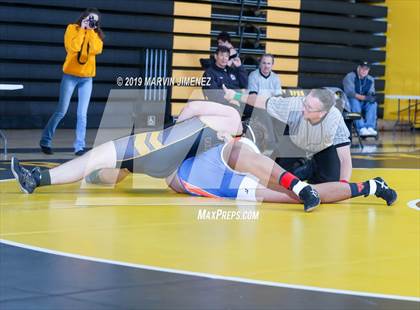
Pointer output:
x,y
368,109
67,86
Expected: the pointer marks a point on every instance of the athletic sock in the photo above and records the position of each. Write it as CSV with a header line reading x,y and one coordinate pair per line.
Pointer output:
x,y
366,188
291,182
42,178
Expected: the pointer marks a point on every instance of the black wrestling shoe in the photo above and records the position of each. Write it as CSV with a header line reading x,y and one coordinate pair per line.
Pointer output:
x,y
24,177
310,198
384,191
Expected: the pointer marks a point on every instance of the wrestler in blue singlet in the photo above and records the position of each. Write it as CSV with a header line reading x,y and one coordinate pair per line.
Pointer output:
x,y
208,175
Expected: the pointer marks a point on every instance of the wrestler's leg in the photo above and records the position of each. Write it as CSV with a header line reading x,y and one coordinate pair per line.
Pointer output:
x,y
220,118
214,115
173,182
102,156
244,159
333,192
328,192
281,195
107,176
106,155
338,191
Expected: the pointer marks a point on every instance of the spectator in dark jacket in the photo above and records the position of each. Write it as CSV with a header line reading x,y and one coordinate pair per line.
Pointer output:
x,y
223,39
359,87
220,73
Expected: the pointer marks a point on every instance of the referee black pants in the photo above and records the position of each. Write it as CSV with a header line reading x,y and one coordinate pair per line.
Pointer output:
x,y
323,167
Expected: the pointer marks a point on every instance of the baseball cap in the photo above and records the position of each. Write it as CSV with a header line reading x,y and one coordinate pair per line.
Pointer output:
x,y
364,64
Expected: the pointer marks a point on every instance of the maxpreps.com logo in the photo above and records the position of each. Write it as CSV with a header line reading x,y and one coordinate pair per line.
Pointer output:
x,y
228,215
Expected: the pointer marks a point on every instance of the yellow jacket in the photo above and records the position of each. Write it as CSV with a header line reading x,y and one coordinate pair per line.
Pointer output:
x,y
82,46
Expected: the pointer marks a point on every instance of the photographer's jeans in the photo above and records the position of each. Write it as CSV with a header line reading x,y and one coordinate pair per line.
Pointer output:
x,y
368,111
68,84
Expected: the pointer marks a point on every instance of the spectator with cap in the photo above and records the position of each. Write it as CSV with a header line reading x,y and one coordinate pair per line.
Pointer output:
x,y
359,87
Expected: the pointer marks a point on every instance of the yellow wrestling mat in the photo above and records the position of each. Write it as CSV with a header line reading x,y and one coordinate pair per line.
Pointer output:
x,y
359,245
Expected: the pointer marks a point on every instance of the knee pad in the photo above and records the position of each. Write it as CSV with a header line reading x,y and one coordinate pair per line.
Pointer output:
x,y
93,177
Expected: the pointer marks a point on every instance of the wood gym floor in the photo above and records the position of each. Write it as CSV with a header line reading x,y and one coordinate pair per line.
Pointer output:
x,y
140,246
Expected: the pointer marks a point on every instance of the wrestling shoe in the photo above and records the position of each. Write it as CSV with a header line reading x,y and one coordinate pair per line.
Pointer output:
x,y
384,191
310,198
26,180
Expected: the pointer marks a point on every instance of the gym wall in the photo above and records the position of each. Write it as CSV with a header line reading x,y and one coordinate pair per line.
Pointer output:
x,y
315,43
403,53
32,53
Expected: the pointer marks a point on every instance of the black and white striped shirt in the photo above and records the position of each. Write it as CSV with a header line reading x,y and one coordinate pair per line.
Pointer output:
x,y
332,130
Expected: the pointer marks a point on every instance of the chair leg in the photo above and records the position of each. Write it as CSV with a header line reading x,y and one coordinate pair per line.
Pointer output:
x,y
357,134
3,137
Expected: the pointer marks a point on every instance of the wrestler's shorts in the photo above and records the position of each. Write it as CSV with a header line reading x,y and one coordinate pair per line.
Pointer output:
x,y
208,175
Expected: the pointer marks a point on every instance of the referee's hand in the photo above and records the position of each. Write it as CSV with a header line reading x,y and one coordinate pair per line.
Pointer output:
x,y
229,93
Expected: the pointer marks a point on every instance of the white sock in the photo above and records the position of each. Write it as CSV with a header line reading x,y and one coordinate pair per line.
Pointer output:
x,y
298,187
372,187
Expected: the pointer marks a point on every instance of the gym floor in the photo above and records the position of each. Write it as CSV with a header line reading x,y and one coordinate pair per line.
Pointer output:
x,y
141,246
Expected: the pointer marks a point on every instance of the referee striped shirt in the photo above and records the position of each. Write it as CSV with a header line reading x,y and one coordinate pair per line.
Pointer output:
x,y
332,130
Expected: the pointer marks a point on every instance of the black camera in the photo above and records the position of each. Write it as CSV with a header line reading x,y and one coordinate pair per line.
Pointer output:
x,y
92,22
233,56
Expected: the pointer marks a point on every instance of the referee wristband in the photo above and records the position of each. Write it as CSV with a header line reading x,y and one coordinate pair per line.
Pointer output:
x,y
237,97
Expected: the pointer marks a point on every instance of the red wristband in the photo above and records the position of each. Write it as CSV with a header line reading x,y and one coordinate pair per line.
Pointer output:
x,y
344,181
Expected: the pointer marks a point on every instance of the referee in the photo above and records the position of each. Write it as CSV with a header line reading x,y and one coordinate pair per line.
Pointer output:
x,y
316,131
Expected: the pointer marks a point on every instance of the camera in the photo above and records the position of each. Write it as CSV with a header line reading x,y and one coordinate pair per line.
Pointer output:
x,y
92,22
233,56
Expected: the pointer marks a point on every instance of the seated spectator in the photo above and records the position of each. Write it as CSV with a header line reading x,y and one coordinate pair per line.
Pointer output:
x,y
359,87
220,73
223,39
263,81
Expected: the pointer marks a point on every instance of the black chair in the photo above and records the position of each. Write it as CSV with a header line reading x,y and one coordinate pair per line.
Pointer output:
x,y
205,63
349,118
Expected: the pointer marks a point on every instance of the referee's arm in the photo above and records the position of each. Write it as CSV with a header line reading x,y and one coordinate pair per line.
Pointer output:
x,y
254,100
345,162
342,145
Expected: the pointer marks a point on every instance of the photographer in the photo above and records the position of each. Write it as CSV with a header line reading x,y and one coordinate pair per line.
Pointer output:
x,y
83,40
359,87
